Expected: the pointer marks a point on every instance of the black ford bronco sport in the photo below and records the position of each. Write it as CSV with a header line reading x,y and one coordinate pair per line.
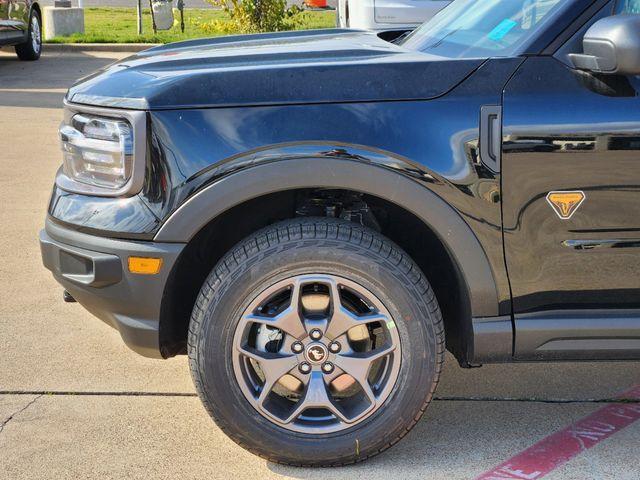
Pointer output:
x,y
313,217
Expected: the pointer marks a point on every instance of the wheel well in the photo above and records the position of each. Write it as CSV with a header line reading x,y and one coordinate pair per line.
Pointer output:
x,y
401,226
36,7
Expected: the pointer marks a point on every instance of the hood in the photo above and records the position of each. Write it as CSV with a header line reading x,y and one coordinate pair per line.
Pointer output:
x,y
318,66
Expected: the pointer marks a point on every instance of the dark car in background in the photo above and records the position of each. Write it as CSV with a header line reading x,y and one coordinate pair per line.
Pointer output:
x,y
21,26
315,216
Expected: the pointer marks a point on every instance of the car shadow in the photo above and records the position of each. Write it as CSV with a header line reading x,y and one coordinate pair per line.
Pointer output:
x,y
481,417
456,440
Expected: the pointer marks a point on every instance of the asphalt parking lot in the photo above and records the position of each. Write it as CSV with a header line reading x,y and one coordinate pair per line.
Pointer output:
x,y
76,403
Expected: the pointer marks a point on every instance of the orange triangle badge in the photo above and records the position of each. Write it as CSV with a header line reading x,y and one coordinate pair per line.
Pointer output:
x,y
566,203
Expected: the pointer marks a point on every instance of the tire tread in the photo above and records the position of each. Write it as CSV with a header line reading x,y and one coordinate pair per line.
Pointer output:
x,y
315,229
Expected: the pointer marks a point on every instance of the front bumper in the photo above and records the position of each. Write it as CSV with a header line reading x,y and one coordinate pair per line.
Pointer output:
x,y
93,270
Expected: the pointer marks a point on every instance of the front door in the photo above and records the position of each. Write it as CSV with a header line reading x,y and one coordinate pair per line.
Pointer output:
x,y
18,14
4,16
571,209
12,23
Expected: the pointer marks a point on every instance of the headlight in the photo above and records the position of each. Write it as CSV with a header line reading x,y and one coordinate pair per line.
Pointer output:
x,y
97,151
103,151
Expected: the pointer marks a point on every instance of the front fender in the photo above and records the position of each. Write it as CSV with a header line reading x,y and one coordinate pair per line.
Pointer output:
x,y
354,174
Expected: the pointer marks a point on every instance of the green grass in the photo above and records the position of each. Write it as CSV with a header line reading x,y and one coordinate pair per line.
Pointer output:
x,y
118,25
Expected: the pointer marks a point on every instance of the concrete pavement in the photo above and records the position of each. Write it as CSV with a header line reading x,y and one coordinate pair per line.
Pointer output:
x,y
138,437
106,423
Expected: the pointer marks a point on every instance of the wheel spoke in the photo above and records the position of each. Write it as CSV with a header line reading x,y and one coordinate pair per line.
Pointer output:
x,y
342,319
358,366
274,366
316,395
289,320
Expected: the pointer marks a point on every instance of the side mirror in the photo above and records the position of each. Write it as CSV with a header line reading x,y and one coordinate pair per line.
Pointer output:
x,y
611,46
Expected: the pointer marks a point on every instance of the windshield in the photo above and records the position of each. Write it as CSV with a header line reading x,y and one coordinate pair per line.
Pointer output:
x,y
482,28
628,7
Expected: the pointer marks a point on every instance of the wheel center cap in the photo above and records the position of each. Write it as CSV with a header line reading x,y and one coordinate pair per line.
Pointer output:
x,y
316,353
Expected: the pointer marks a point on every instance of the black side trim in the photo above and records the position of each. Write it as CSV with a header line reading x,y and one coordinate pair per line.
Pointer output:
x,y
492,340
578,335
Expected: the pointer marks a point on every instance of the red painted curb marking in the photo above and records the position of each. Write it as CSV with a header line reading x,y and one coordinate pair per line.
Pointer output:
x,y
557,449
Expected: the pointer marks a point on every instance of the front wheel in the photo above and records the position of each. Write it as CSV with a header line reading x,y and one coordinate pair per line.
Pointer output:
x,y
32,48
316,342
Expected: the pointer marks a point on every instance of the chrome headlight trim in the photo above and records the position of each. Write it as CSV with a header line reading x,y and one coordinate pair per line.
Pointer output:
x,y
138,122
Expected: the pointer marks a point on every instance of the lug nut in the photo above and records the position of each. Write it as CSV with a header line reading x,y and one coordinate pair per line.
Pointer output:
x,y
297,347
327,367
315,334
335,347
304,367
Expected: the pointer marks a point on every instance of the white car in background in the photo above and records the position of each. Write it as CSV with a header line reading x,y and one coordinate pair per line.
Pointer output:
x,y
386,14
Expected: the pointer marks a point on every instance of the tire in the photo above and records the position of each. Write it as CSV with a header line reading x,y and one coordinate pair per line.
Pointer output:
x,y
32,48
316,246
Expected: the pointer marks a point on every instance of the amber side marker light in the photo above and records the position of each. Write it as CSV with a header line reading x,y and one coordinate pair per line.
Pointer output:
x,y
145,265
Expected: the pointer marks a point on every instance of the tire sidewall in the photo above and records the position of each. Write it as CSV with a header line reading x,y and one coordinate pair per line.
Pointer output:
x,y
25,50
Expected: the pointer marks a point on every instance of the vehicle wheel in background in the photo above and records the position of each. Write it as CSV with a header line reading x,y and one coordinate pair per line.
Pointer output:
x,y
32,48
316,342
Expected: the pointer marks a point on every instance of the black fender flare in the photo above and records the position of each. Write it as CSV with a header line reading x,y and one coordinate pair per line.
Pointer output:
x,y
35,6
236,188
38,8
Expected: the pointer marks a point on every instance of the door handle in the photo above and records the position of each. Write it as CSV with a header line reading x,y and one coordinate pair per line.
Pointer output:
x,y
491,136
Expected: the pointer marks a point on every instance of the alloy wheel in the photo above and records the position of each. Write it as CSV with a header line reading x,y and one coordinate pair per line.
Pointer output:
x,y
316,353
36,34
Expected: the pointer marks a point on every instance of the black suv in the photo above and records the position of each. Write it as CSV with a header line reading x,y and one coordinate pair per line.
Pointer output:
x,y
313,217
21,26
